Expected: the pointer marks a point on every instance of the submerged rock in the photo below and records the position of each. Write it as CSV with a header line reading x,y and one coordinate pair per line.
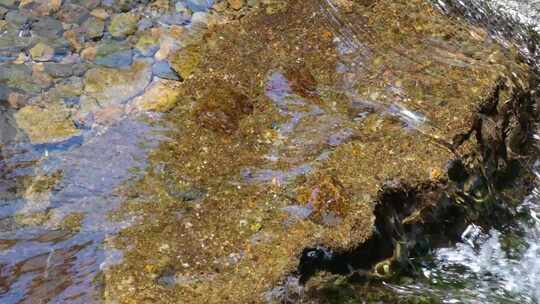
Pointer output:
x,y
222,108
161,96
113,86
123,25
319,130
48,123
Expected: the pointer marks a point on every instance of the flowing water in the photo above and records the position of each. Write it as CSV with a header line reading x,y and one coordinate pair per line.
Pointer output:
x,y
489,266
56,192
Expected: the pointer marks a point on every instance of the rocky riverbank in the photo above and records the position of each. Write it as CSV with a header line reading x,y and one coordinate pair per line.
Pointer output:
x,y
337,136
70,66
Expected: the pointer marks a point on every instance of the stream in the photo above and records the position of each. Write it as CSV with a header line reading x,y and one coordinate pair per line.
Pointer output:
x,y
493,266
63,164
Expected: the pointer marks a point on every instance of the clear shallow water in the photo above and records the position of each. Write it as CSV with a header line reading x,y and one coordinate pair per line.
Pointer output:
x,y
57,190
44,259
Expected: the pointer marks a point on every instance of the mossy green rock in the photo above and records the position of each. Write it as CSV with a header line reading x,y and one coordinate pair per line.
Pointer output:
x,y
110,86
293,127
123,25
48,123
161,96
42,52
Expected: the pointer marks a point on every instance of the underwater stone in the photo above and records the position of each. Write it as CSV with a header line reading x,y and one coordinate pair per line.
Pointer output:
x,y
47,27
160,96
46,124
42,52
123,25
93,28
114,86
162,69
199,5
113,54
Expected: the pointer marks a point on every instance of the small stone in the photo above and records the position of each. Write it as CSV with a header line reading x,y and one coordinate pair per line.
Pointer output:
x,y
115,86
40,77
89,53
148,44
17,17
123,25
174,19
109,115
113,54
182,8
58,70
74,39
89,4
42,52
100,13
185,61
199,5
47,27
68,88
165,49
93,27
22,58
40,7
200,18
162,69
144,24
8,3
46,124
17,100
73,14
161,96
236,4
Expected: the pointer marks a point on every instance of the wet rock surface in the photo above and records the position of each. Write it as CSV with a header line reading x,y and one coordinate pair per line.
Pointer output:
x,y
288,139
315,140
80,92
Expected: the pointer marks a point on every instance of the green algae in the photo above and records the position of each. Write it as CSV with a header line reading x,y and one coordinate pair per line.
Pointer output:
x,y
47,123
221,237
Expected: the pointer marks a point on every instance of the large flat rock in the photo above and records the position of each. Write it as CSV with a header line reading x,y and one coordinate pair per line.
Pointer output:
x,y
291,126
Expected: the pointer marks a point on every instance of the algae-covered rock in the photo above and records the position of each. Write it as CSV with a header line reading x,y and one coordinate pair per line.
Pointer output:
x,y
123,25
113,54
49,123
42,52
114,86
186,60
222,108
161,96
310,126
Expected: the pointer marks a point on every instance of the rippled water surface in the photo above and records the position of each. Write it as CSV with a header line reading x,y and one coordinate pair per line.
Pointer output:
x,y
64,160
494,266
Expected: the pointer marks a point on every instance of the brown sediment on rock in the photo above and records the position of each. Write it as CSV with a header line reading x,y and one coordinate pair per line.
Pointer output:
x,y
308,127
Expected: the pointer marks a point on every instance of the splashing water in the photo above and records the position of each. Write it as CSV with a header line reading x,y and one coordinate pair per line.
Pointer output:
x,y
495,266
